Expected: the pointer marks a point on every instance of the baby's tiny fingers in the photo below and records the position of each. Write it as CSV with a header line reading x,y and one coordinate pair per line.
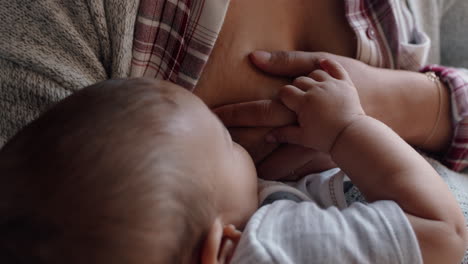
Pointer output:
x,y
304,83
319,75
334,69
291,96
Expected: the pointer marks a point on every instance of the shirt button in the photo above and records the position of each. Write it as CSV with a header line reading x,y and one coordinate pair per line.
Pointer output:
x,y
370,33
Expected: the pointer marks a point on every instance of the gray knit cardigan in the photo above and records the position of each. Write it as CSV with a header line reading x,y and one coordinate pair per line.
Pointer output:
x,y
49,49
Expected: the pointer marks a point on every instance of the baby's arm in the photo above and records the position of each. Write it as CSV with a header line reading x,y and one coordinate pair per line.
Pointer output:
x,y
377,160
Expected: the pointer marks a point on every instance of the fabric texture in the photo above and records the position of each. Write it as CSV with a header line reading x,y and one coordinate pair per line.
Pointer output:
x,y
325,188
316,229
50,49
173,39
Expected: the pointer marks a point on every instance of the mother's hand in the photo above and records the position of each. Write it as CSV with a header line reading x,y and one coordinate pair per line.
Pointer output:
x,y
288,161
406,101
285,162
299,63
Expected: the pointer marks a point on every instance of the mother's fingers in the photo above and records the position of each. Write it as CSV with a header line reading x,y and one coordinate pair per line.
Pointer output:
x,y
287,63
291,162
283,162
263,113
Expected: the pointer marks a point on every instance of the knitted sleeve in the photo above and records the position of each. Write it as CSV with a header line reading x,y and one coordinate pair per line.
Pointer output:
x,y
49,49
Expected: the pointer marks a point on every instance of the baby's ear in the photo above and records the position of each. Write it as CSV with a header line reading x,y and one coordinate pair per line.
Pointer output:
x,y
220,243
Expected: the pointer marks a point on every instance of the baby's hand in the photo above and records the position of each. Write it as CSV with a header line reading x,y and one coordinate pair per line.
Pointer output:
x,y
325,102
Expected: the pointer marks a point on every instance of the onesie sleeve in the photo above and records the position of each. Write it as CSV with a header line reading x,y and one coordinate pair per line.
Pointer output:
x,y
288,232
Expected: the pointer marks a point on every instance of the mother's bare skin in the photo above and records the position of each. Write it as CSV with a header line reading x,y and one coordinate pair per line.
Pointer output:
x,y
230,77
400,99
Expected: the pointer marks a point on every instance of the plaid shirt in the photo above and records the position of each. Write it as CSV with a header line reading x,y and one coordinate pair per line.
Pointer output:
x,y
174,38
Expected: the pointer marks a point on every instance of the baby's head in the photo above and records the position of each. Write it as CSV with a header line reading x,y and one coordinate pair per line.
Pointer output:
x,y
134,171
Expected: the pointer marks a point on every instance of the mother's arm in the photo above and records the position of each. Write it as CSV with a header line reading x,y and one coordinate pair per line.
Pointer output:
x,y
406,101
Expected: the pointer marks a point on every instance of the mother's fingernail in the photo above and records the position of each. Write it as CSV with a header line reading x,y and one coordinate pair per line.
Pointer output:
x,y
262,56
270,139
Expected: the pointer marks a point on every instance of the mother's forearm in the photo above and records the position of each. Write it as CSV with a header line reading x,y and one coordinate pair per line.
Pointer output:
x,y
414,106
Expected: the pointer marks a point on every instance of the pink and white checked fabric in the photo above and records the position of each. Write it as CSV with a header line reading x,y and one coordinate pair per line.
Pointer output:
x,y
174,39
457,81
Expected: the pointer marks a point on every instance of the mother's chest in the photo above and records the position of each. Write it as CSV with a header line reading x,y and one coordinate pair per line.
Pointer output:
x,y
310,25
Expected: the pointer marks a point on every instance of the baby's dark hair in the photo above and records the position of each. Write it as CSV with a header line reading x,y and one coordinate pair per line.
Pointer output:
x,y
91,181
